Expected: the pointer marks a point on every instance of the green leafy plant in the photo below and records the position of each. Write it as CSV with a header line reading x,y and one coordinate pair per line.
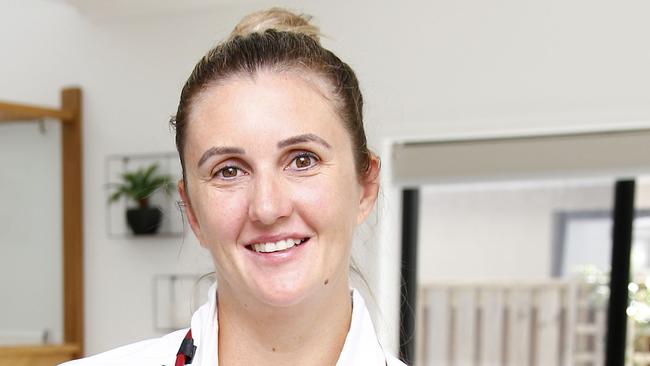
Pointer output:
x,y
138,185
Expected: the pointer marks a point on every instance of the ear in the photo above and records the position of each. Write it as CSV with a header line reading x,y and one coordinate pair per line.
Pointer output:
x,y
189,211
369,189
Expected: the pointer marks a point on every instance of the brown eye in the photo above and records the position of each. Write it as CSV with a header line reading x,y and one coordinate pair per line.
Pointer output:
x,y
228,172
304,161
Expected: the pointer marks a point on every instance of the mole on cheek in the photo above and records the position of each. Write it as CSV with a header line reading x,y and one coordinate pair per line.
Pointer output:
x,y
327,281
273,349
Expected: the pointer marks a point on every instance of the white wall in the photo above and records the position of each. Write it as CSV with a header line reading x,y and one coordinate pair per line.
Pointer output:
x,y
505,231
470,66
498,231
138,69
427,69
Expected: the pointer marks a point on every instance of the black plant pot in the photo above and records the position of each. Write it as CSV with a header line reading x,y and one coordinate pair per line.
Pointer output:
x,y
144,220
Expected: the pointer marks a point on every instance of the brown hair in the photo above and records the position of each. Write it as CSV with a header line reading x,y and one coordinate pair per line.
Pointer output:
x,y
278,40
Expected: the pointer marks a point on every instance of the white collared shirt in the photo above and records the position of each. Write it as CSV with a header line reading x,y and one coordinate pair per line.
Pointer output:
x,y
361,346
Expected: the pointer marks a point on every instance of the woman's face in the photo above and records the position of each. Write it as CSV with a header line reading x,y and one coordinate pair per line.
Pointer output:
x,y
272,189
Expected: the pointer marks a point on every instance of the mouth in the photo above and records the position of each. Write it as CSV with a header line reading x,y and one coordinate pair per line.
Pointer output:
x,y
277,246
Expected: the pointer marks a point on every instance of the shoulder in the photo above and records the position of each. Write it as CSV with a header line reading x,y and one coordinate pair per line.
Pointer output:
x,y
156,351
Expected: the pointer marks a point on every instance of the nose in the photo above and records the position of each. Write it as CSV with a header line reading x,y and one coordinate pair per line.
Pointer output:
x,y
270,201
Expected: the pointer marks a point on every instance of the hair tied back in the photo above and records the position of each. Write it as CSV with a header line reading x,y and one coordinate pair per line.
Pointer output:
x,y
278,19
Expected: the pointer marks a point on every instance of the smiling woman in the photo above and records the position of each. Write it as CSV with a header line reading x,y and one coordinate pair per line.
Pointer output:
x,y
276,178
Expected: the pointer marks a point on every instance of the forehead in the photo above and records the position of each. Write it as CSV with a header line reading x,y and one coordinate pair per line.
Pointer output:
x,y
266,104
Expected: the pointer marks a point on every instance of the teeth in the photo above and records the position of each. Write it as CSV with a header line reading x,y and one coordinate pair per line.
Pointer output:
x,y
277,246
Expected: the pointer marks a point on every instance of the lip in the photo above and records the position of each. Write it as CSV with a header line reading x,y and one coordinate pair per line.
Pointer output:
x,y
281,257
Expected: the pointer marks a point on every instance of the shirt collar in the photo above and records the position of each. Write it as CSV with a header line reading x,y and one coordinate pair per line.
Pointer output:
x,y
205,329
361,345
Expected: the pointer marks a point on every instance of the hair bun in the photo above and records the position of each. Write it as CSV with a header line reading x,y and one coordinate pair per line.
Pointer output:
x,y
279,19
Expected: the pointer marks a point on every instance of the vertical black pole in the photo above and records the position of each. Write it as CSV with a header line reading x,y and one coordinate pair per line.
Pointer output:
x,y
410,207
620,277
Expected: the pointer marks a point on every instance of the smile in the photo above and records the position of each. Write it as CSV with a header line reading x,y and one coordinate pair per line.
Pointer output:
x,y
276,246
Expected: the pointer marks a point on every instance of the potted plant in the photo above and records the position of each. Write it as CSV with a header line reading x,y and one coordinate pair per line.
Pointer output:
x,y
138,186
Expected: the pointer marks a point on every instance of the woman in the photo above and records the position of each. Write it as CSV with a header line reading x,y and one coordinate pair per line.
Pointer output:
x,y
276,177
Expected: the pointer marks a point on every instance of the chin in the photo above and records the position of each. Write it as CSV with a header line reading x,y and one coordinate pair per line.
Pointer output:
x,y
283,294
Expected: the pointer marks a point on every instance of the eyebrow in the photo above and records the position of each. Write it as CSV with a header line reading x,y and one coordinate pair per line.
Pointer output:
x,y
225,150
219,150
299,139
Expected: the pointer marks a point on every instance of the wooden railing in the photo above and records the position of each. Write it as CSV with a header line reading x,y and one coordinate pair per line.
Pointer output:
x,y
547,323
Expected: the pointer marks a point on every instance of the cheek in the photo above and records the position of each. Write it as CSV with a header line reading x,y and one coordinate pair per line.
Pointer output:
x,y
328,202
221,216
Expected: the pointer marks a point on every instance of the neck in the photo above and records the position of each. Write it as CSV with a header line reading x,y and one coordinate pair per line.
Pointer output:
x,y
309,333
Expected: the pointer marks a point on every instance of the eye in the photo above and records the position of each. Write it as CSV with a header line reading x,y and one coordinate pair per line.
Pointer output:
x,y
303,161
228,172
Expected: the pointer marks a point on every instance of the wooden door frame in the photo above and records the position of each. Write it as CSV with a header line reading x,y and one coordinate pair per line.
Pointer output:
x,y
70,116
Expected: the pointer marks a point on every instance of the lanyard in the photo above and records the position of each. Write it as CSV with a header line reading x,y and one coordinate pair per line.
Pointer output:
x,y
186,351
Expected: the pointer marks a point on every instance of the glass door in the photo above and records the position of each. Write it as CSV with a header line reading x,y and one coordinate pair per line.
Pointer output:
x,y
31,263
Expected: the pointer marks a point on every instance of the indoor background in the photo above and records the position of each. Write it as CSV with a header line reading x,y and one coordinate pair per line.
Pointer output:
x,y
429,70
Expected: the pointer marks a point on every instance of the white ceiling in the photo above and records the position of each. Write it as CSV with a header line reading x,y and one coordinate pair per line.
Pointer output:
x,y
129,8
